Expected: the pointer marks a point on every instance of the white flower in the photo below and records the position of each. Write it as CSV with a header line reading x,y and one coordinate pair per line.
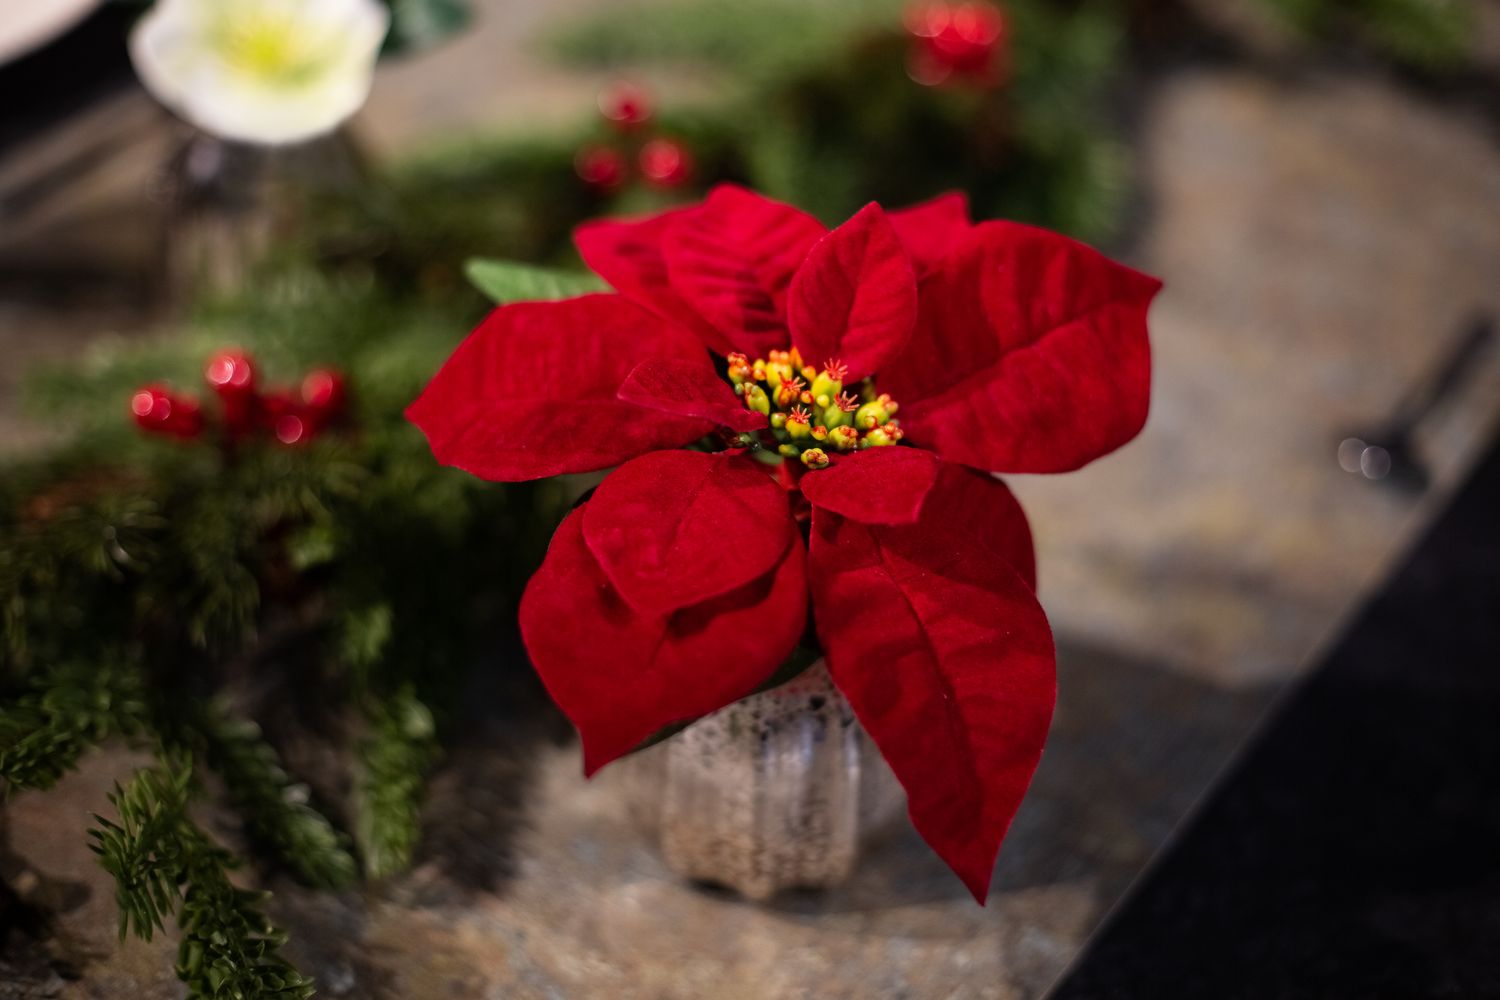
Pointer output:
x,y
264,71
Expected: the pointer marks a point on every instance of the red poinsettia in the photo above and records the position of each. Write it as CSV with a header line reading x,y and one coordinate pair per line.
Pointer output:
x,y
805,421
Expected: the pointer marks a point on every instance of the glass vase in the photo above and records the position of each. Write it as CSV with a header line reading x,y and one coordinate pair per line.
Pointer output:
x,y
227,202
776,791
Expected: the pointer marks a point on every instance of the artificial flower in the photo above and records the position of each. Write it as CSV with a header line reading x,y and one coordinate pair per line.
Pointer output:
x,y
261,71
805,423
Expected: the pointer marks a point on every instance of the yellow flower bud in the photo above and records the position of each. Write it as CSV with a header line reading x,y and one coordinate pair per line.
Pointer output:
x,y
815,458
825,388
739,368
755,399
789,391
871,415
843,438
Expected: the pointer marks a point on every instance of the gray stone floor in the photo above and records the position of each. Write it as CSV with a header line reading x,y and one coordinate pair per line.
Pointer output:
x,y
1321,241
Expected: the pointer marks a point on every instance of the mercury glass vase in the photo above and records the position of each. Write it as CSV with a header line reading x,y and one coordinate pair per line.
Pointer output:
x,y
776,791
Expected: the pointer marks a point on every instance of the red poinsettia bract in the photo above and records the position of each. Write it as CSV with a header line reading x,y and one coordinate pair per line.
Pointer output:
x,y
847,394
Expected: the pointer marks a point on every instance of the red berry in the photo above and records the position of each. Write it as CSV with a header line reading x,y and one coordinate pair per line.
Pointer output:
x,y
274,404
231,373
152,407
157,410
600,167
962,39
282,413
189,418
625,106
292,429
323,395
666,163
323,389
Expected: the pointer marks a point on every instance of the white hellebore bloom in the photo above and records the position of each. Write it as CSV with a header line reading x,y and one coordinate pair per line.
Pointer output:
x,y
263,71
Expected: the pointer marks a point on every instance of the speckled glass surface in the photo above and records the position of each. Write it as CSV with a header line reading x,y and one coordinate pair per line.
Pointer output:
x,y
774,792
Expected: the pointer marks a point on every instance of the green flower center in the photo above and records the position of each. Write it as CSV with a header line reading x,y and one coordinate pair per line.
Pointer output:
x,y
272,47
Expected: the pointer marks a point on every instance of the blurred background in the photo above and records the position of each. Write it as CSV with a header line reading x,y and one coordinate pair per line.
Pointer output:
x,y
1317,182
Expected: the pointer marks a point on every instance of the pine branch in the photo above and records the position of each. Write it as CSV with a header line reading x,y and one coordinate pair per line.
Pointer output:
x,y
45,730
144,850
229,946
163,863
274,807
394,757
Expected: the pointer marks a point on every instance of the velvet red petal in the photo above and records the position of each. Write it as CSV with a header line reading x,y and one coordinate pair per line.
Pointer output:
x,y
930,229
855,297
621,676
674,528
1030,353
732,260
689,389
982,511
947,660
533,391
627,253
876,486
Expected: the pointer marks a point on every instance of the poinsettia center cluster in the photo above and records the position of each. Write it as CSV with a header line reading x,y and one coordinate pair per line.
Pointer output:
x,y
812,412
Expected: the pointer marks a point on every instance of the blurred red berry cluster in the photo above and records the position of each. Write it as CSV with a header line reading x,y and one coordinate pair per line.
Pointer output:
x,y
287,415
657,160
963,43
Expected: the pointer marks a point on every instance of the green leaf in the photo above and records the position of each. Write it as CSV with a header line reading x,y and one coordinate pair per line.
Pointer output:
x,y
508,281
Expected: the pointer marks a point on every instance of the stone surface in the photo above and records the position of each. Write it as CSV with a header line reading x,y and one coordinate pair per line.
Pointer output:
x,y
1322,244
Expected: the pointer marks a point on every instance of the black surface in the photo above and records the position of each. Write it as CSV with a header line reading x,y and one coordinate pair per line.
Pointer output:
x,y
1354,850
71,72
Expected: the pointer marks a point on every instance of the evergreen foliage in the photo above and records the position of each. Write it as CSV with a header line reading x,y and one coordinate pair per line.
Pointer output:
x,y
821,110
163,864
398,747
160,591
64,712
275,808
1433,35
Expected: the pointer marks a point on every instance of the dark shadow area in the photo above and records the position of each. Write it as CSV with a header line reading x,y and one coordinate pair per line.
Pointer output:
x,y
1351,852
1111,768
494,717
34,960
328,943
474,808
476,802
90,61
